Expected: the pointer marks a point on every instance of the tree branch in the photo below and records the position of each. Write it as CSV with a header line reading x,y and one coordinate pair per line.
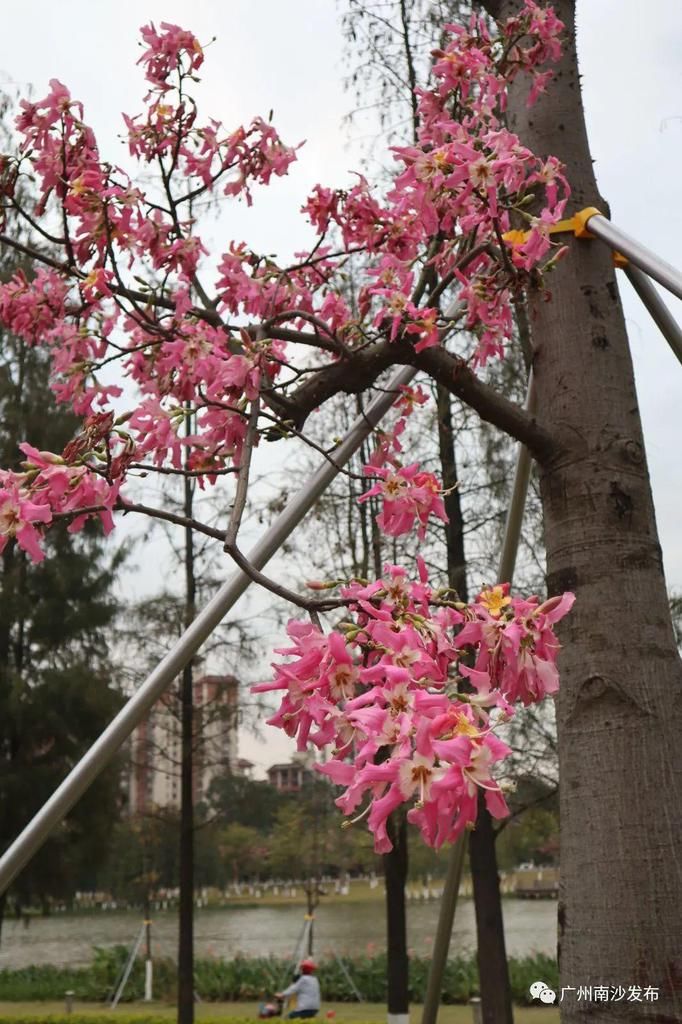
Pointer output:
x,y
359,371
243,477
308,604
169,517
455,374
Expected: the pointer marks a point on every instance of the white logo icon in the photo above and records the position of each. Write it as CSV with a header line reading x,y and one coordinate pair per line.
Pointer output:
x,y
539,990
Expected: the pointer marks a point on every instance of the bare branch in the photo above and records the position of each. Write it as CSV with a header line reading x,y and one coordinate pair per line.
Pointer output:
x,y
309,605
243,477
169,517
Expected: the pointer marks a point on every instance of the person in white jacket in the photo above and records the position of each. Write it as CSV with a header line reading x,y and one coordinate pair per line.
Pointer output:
x,y
307,992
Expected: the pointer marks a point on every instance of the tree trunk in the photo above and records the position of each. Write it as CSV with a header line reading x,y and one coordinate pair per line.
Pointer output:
x,y
395,874
311,897
454,531
619,713
186,909
493,970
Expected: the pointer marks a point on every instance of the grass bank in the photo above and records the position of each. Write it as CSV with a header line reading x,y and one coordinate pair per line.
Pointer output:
x,y
361,891
52,1012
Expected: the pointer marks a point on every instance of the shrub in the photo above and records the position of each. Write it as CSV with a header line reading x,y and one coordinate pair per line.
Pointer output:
x,y
250,978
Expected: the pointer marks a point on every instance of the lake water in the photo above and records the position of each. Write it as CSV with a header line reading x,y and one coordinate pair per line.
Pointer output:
x,y
530,926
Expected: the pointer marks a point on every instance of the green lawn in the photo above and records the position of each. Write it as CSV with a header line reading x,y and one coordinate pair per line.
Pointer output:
x,y
353,1013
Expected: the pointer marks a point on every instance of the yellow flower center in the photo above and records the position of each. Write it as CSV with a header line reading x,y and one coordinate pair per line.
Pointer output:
x,y
495,600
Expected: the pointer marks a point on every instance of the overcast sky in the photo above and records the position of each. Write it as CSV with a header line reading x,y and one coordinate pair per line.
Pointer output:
x,y
288,57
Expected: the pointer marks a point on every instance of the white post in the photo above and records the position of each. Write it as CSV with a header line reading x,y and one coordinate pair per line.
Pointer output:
x,y
148,976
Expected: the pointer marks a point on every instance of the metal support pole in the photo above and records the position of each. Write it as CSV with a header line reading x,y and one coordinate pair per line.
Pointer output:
x,y
441,942
448,904
354,988
128,969
517,504
130,716
637,253
660,313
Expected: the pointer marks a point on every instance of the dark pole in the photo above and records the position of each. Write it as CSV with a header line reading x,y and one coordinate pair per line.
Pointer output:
x,y
186,910
395,873
493,973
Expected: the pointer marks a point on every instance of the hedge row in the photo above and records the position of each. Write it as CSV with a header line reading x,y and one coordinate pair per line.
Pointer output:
x,y
250,978
101,1018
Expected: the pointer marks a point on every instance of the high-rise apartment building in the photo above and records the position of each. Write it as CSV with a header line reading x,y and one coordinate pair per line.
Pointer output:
x,y
155,750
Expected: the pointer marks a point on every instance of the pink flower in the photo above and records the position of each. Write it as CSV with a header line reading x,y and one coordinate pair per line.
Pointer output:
x,y
167,49
18,516
409,495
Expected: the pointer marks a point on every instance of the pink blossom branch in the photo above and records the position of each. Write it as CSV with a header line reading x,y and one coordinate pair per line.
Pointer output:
x,y
336,344
131,294
147,510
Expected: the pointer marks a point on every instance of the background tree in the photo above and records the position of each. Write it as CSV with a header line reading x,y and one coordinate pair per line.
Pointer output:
x,y
190,737
56,689
253,803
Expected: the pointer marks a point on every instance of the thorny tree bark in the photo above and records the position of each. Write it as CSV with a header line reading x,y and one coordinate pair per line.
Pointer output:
x,y
619,712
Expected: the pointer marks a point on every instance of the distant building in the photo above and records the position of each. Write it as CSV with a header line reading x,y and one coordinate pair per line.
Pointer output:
x,y
156,745
291,777
244,767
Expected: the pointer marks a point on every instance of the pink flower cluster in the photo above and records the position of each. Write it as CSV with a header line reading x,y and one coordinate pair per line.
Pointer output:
x,y
127,280
49,486
391,693
408,495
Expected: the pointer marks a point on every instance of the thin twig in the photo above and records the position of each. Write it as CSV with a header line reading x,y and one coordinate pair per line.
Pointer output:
x,y
316,604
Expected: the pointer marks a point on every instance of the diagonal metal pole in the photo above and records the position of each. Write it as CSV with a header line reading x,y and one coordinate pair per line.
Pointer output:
x,y
105,747
127,969
660,313
637,253
448,904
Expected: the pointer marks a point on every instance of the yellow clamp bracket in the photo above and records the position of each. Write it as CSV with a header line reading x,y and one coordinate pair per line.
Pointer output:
x,y
308,917
579,228
577,224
